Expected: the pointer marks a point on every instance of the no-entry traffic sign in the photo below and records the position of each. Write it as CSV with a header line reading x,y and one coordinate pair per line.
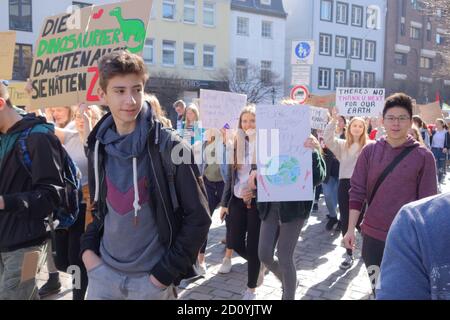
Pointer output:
x,y
300,94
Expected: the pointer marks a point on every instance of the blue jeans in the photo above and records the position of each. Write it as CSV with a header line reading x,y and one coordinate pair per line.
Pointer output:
x,y
330,191
440,158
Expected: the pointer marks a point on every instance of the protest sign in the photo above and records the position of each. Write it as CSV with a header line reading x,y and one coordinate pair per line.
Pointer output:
x,y
220,109
327,101
7,54
64,70
18,95
430,112
352,102
319,118
284,164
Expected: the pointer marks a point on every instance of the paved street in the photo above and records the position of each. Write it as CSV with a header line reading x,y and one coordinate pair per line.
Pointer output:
x,y
318,255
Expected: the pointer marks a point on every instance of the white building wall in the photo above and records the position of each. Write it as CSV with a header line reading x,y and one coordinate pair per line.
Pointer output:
x,y
254,47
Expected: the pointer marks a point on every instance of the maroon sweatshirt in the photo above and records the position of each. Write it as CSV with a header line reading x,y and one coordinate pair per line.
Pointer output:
x,y
412,179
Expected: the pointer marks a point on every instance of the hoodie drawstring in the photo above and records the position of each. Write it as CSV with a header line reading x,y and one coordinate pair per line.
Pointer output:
x,y
136,205
97,183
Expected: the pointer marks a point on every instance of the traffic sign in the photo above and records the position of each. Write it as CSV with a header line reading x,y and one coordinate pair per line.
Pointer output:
x,y
300,94
302,52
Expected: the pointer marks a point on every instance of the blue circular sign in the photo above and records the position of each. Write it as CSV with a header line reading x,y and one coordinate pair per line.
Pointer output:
x,y
303,50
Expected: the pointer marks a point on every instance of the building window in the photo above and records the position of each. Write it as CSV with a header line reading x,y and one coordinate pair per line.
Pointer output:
x,y
439,39
241,70
415,33
426,63
189,11
81,4
266,71
373,19
355,79
20,15
23,57
339,78
324,78
326,10
208,56
356,46
169,9
148,52
341,46
242,26
428,31
325,44
402,29
357,16
168,53
369,79
266,2
209,13
189,54
370,50
342,13
401,58
266,29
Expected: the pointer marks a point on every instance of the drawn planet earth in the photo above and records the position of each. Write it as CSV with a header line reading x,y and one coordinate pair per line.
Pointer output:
x,y
288,173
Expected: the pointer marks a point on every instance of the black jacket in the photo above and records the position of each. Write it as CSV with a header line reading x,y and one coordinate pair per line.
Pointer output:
x,y
183,231
331,163
29,199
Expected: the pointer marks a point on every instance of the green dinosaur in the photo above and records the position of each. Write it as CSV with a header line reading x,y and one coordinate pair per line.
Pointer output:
x,y
130,27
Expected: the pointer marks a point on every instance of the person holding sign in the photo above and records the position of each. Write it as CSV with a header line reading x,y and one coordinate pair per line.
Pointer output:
x,y
389,174
281,226
440,145
28,195
239,202
347,152
150,209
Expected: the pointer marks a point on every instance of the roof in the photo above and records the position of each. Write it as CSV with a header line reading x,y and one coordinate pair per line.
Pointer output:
x,y
275,9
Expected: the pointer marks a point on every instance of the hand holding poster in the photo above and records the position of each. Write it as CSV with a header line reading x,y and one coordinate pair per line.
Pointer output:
x,y
284,164
7,54
359,102
220,109
64,70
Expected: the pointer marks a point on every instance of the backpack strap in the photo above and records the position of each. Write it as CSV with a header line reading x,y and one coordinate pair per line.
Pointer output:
x,y
24,154
388,170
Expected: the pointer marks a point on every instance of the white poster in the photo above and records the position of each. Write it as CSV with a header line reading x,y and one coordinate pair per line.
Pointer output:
x,y
284,164
220,109
362,102
319,118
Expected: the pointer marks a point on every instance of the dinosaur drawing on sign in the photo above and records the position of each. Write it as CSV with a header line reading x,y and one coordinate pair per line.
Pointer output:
x,y
130,28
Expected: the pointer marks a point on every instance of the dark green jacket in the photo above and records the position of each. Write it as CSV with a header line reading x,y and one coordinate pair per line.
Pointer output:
x,y
297,209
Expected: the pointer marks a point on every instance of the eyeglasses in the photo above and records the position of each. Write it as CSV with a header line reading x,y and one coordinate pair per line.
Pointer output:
x,y
392,119
5,82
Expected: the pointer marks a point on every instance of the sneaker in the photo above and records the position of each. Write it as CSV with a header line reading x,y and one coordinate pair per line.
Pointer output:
x,y
315,207
52,286
226,265
262,272
200,269
347,263
331,223
248,295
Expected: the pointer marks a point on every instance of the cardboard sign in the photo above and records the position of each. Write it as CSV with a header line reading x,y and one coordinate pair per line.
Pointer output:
x,y
7,48
327,101
284,164
68,48
319,118
360,102
220,109
18,95
430,112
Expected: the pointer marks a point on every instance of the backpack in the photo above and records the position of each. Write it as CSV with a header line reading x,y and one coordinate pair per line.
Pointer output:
x,y
67,212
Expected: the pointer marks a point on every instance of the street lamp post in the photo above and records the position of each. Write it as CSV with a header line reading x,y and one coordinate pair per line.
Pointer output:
x,y
273,95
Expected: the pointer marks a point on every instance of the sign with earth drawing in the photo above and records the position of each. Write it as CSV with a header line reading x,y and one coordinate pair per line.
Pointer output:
x,y
64,70
284,164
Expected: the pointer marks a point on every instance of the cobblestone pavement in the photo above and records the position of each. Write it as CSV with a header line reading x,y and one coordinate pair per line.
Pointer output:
x,y
318,255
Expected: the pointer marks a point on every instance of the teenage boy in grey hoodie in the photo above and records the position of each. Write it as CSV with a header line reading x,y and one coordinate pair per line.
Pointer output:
x,y
139,246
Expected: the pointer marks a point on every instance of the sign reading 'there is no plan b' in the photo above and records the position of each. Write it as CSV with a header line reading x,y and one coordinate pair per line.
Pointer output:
x,y
352,102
